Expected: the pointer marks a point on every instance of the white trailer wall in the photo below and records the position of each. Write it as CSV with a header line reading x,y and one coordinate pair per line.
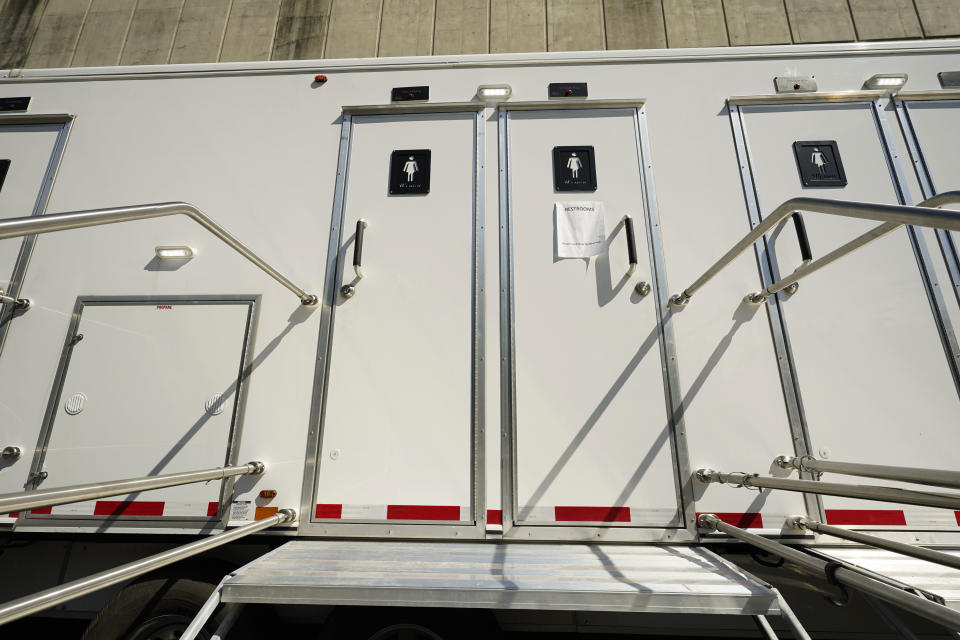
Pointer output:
x,y
258,151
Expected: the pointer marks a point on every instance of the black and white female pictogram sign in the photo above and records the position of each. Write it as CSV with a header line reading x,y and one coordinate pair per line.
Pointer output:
x,y
410,171
819,163
574,169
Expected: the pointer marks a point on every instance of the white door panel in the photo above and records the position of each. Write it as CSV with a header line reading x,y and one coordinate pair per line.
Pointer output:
x,y
873,375
28,148
592,435
134,402
937,128
397,431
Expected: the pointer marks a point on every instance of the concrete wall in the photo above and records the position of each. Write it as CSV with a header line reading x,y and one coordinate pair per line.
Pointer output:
x,y
64,33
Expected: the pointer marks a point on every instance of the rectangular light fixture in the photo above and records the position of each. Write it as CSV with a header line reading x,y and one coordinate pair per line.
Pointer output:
x,y
886,81
494,92
174,253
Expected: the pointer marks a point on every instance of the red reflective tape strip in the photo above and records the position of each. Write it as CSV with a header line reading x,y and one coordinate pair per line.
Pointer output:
x,y
132,508
16,514
328,511
592,514
956,514
41,511
495,516
742,520
422,512
212,509
865,516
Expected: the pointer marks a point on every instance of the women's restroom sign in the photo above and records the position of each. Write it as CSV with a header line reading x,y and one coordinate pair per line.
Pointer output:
x,y
574,169
410,171
819,163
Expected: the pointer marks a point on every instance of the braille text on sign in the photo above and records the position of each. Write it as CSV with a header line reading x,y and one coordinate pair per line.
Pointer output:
x,y
574,169
410,171
819,163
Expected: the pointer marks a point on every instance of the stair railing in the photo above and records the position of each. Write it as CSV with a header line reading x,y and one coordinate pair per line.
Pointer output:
x,y
24,500
924,214
840,574
31,225
21,607
862,492
932,477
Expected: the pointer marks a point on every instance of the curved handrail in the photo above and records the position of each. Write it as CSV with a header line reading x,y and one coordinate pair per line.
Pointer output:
x,y
21,607
15,502
29,225
923,215
843,574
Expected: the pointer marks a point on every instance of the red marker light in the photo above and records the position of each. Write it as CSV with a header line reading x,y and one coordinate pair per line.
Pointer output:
x,y
320,79
796,86
267,494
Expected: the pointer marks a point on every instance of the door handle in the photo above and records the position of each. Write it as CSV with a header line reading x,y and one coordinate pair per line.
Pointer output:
x,y
348,290
805,253
631,244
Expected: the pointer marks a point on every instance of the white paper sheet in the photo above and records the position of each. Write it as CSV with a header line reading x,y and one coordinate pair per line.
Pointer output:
x,y
580,229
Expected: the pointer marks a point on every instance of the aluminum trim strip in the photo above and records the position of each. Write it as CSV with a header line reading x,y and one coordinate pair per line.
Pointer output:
x,y
410,107
807,98
909,96
673,395
538,105
35,118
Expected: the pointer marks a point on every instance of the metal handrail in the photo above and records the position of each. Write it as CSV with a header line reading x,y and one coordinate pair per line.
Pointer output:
x,y
923,553
78,493
30,225
932,477
840,574
21,607
863,492
893,216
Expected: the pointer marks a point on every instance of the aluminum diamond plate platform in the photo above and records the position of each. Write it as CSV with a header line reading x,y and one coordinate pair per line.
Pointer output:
x,y
657,579
937,579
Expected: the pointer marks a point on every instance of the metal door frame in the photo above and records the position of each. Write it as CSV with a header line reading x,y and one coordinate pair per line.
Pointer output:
x,y
672,396
901,102
769,272
309,525
233,436
40,204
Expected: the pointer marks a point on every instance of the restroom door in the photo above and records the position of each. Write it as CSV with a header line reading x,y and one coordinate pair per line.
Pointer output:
x,y
874,379
399,427
592,441
932,130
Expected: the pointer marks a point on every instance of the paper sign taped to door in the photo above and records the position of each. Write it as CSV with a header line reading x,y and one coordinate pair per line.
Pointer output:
x,y
580,229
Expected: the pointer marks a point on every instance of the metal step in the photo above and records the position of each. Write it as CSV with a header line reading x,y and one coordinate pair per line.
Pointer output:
x,y
653,579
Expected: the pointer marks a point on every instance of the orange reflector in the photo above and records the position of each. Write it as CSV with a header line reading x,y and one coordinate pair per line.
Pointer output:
x,y
265,512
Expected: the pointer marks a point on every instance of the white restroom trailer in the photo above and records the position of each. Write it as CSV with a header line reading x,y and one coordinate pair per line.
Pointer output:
x,y
453,307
